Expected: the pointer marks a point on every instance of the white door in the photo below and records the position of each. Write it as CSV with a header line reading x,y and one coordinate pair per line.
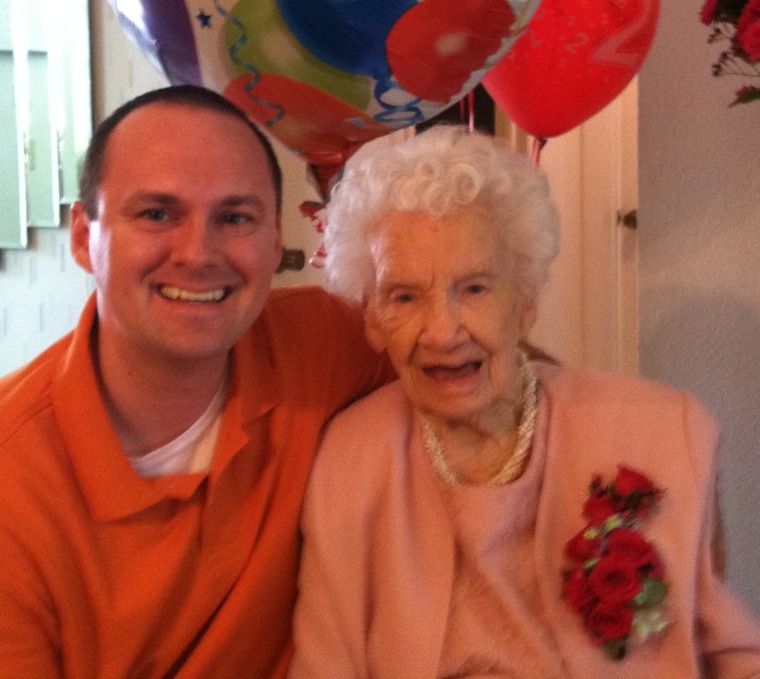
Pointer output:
x,y
588,311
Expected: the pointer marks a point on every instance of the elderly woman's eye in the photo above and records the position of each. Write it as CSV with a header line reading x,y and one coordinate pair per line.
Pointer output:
x,y
475,288
402,297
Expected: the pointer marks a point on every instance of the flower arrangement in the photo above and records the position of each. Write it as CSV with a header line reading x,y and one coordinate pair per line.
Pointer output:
x,y
615,580
736,22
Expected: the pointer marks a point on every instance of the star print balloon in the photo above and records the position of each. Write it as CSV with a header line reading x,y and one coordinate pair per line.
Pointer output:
x,y
326,76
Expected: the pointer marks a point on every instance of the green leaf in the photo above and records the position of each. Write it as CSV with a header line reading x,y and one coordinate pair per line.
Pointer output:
x,y
748,95
591,532
652,592
611,523
614,649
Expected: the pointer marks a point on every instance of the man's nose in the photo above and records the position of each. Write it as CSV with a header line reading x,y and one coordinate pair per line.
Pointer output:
x,y
196,242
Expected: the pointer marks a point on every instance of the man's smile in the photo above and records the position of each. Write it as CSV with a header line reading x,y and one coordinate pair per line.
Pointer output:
x,y
174,293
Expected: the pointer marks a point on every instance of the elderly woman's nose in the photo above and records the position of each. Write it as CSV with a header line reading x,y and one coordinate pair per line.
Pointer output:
x,y
442,323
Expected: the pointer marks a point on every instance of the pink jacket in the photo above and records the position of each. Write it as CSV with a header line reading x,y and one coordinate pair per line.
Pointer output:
x,y
378,555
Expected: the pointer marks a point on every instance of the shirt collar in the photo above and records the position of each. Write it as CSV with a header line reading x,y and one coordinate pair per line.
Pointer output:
x,y
110,487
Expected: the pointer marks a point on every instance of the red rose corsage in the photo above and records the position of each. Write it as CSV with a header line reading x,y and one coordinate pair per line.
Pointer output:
x,y
615,580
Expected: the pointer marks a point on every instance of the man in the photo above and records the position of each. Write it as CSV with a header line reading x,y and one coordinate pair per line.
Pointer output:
x,y
153,461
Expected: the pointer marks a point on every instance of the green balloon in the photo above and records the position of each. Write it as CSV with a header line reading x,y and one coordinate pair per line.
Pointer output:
x,y
258,40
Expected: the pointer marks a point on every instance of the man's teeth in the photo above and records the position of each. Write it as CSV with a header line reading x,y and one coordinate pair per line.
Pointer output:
x,y
190,296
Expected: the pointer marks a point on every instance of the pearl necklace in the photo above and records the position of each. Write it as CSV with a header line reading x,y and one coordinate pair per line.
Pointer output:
x,y
515,464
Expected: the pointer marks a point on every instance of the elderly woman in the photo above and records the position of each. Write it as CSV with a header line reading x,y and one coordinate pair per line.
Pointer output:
x,y
485,515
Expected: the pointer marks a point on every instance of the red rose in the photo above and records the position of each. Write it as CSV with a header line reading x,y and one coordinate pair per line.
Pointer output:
x,y
640,508
629,544
749,40
580,548
609,620
607,571
614,579
749,15
629,480
598,508
576,591
708,11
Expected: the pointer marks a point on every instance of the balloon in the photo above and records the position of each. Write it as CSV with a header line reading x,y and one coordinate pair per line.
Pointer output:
x,y
326,76
164,33
574,58
436,68
318,125
356,31
274,49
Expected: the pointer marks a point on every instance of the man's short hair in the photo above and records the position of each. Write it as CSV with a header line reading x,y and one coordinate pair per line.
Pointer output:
x,y
184,95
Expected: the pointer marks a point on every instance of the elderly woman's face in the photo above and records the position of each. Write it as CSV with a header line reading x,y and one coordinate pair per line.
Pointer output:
x,y
444,308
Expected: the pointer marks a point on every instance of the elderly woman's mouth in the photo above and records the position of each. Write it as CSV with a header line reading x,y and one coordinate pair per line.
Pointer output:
x,y
445,373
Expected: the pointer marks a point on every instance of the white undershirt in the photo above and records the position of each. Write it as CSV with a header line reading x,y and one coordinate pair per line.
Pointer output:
x,y
192,451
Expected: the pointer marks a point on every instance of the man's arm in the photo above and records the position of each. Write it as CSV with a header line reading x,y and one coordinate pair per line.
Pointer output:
x,y
28,624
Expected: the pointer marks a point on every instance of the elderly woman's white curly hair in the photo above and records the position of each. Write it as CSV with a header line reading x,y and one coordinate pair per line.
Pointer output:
x,y
441,172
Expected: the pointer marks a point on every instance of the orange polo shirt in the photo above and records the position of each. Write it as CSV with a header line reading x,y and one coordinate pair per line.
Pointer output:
x,y
107,574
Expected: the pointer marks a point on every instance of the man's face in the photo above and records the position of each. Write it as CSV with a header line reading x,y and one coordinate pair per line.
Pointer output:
x,y
187,236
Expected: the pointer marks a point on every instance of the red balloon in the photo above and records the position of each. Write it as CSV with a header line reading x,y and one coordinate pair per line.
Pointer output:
x,y
434,46
573,59
325,129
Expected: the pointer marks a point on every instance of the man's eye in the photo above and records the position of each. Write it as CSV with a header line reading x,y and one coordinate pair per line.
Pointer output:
x,y
236,218
239,223
402,297
155,215
475,289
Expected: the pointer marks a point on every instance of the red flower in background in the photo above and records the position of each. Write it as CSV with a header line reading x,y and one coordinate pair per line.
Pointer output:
x,y
708,11
735,23
748,30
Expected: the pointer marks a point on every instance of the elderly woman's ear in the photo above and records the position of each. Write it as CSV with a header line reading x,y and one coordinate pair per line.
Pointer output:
x,y
371,329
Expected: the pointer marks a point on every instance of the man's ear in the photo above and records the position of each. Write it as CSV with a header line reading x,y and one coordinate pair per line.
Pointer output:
x,y
79,236
278,244
372,327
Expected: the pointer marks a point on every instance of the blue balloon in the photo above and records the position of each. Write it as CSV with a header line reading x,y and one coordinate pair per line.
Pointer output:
x,y
347,34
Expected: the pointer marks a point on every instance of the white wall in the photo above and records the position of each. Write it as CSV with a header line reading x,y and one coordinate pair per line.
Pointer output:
x,y
699,250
